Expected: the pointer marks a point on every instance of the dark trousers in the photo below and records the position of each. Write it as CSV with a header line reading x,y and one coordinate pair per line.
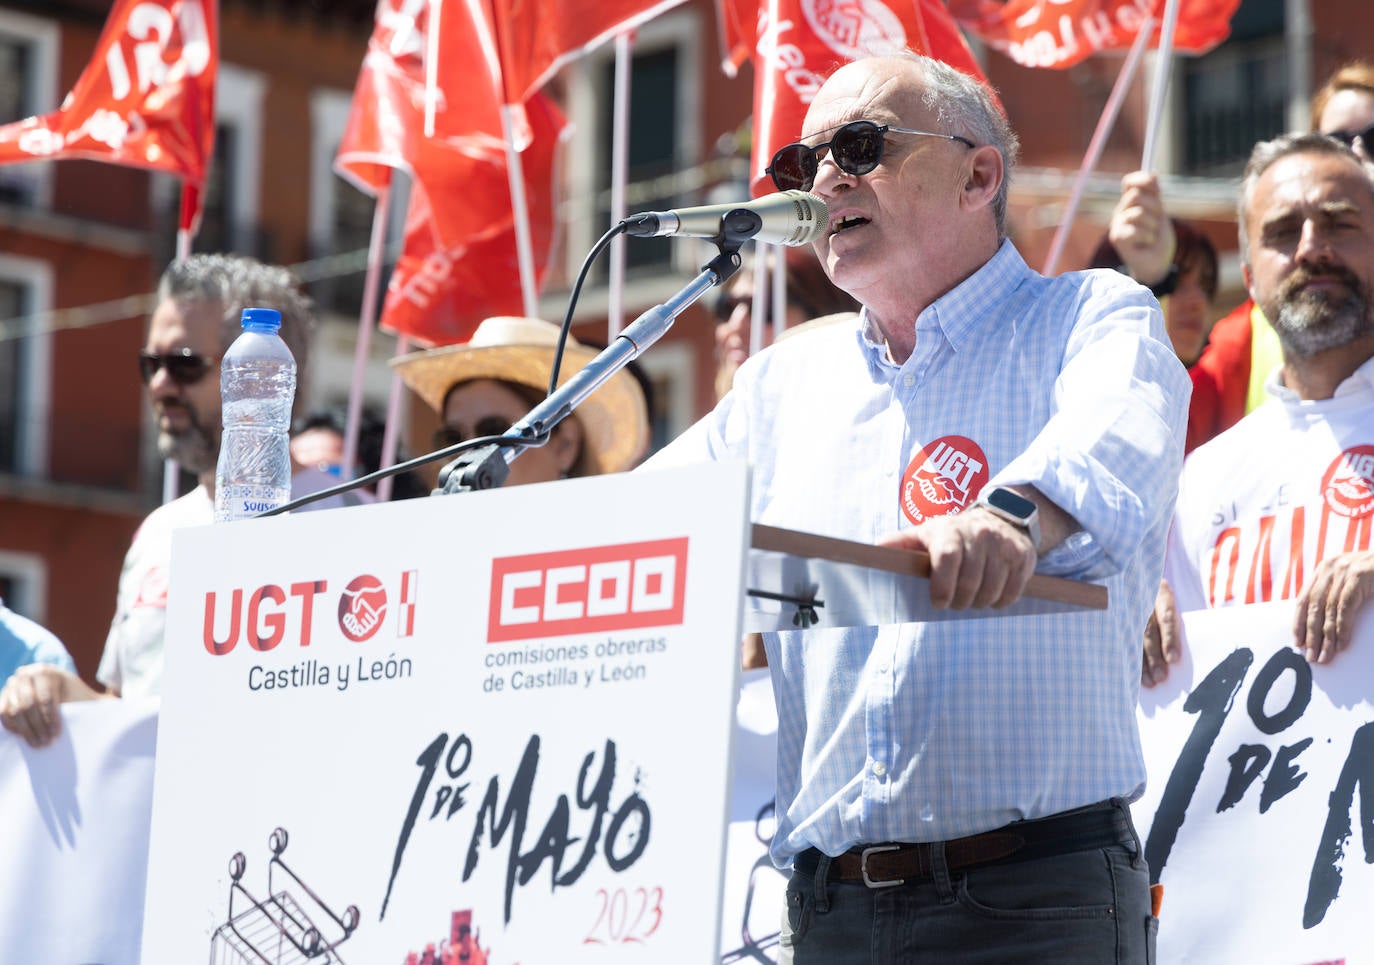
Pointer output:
x,y
1047,902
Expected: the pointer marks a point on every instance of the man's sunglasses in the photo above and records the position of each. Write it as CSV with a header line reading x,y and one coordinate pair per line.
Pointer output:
x,y
491,425
1348,137
184,367
857,147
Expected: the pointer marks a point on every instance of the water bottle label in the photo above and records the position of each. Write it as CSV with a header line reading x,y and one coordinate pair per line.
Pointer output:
x,y
241,501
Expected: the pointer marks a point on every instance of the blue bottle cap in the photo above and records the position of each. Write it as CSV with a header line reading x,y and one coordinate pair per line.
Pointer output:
x,y
261,319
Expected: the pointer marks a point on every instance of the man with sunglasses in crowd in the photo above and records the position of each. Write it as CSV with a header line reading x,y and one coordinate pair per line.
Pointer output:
x,y
955,789
197,317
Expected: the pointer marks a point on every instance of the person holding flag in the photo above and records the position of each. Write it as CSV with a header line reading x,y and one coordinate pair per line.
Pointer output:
x,y
955,789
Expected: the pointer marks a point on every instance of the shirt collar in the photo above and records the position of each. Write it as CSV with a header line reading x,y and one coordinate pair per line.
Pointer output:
x,y
1362,379
961,311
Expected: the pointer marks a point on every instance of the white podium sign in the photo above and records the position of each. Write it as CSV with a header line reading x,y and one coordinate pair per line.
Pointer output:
x,y
495,725
1258,817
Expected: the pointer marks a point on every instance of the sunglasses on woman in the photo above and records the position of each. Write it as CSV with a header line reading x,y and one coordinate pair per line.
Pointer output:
x,y
1348,137
856,147
492,425
184,367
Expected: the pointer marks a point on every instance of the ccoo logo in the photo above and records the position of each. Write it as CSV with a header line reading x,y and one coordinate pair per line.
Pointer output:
x,y
600,588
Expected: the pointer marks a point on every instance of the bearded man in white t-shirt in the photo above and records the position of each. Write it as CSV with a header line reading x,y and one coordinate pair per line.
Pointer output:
x,y
1281,505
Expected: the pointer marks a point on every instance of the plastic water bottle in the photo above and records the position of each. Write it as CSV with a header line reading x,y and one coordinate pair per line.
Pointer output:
x,y
257,388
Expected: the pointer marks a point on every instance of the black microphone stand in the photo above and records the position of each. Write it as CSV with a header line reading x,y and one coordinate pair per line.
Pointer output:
x,y
487,467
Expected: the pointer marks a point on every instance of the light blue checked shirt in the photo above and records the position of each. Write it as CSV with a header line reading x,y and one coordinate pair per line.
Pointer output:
x,y
925,732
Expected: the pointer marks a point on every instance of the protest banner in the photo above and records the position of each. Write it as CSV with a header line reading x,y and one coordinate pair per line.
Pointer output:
x,y
75,836
1258,818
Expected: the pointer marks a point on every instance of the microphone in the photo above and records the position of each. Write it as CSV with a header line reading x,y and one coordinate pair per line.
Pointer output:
x,y
787,218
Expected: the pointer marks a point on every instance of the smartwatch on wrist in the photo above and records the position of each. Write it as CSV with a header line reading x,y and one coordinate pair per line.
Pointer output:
x,y
1011,506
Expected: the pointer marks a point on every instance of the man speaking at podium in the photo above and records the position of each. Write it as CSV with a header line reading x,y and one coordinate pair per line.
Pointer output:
x,y
954,791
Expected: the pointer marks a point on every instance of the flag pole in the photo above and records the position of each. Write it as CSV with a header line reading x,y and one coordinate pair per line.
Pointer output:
x,y
1161,84
1105,123
620,149
432,65
779,299
524,246
367,321
392,421
756,307
190,199
391,432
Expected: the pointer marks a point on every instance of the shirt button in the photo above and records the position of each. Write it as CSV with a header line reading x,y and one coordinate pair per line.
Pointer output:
x,y
879,768
908,380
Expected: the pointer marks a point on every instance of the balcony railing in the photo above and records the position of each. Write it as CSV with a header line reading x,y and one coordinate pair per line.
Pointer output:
x,y
1231,99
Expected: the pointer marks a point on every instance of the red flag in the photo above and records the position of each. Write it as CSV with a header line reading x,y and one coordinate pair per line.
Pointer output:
x,y
737,21
1036,34
146,99
386,123
536,37
459,262
799,43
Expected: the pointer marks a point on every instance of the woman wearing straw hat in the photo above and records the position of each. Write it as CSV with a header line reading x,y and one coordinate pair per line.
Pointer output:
x,y
484,386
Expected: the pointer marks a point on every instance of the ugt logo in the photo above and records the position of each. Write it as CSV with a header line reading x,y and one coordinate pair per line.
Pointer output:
x,y
601,588
265,616
361,607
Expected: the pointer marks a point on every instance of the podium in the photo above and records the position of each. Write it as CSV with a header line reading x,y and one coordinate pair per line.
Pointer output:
x,y
499,722
798,580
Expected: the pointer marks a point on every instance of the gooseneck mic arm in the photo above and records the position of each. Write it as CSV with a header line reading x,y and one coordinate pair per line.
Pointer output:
x,y
488,466
484,463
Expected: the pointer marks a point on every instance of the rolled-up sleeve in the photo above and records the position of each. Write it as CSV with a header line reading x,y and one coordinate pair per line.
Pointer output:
x,y
1111,452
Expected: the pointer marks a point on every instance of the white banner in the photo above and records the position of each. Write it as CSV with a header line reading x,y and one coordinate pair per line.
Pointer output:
x,y
74,836
1258,818
83,901
497,723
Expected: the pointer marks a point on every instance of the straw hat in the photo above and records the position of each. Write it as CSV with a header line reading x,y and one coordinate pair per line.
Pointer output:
x,y
614,418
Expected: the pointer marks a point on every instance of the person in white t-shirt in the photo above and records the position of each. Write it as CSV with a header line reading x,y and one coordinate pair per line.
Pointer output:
x,y
197,318
1281,505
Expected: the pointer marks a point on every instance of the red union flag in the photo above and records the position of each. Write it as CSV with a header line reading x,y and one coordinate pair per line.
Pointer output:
x,y
386,123
147,98
1060,33
799,43
593,590
535,37
736,21
459,263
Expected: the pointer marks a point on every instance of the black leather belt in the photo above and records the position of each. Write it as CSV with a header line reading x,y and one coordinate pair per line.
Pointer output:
x,y
886,865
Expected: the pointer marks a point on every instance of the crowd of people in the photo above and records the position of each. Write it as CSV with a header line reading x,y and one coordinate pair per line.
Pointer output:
x,y
1002,422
